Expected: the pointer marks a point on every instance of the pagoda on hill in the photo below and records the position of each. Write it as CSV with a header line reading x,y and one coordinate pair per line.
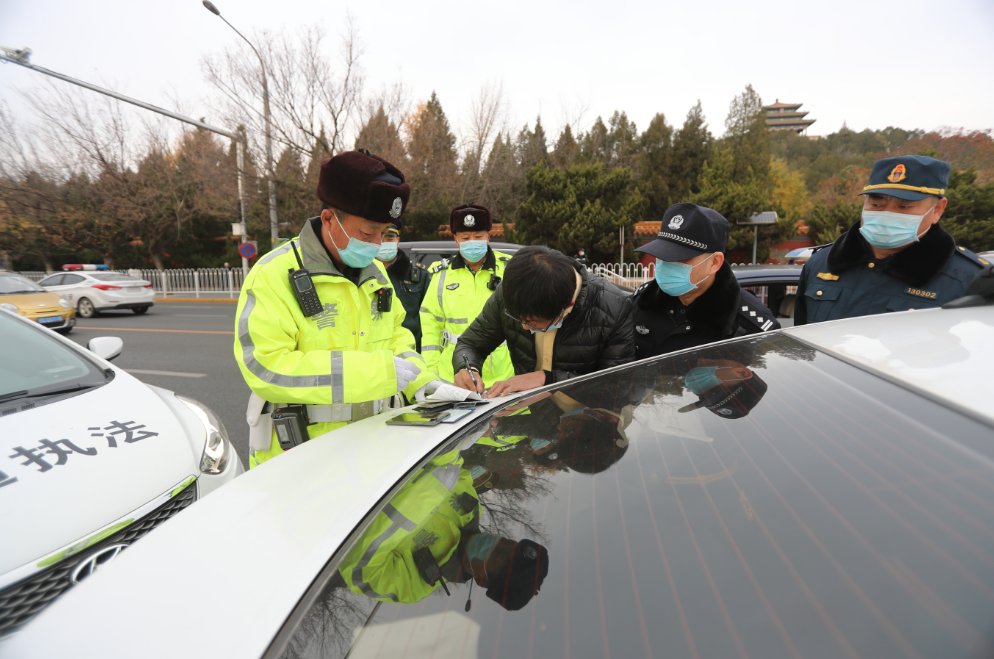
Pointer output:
x,y
786,116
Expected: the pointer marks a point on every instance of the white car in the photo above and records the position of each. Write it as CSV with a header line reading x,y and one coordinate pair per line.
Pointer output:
x,y
93,292
817,491
91,460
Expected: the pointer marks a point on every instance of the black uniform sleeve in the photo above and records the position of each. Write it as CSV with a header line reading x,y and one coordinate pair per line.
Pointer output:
x,y
483,336
801,301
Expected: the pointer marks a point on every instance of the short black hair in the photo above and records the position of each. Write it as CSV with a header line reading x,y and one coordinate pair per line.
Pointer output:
x,y
539,282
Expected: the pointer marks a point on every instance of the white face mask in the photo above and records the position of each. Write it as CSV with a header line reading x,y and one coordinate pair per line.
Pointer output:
x,y
889,230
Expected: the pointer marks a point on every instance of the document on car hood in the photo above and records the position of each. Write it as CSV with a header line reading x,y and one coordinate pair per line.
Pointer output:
x,y
450,392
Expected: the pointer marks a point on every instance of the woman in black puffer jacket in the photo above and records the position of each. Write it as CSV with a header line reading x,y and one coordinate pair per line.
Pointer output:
x,y
547,297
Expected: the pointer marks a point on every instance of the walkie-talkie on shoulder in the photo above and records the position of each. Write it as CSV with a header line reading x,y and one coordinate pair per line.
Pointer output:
x,y
303,288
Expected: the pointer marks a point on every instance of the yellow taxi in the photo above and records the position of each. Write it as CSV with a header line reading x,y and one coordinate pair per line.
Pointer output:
x,y
22,296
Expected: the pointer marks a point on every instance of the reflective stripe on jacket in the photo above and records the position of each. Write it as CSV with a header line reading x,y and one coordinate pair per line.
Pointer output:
x,y
455,299
343,355
426,512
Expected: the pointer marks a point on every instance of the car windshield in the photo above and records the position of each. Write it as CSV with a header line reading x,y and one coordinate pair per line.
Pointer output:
x,y
10,284
753,498
36,368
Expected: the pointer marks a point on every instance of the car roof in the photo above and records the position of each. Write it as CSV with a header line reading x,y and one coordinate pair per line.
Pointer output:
x,y
766,271
759,529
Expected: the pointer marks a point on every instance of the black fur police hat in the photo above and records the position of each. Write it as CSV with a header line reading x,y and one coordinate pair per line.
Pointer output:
x,y
688,230
470,218
522,577
731,401
359,183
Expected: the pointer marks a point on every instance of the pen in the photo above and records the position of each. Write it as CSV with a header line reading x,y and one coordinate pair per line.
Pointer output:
x,y
465,362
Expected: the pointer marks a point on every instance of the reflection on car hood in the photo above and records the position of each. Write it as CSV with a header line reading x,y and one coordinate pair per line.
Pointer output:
x,y
78,464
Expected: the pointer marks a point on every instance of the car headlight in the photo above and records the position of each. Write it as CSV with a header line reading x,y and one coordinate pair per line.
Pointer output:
x,y
216,455
12,308
65,303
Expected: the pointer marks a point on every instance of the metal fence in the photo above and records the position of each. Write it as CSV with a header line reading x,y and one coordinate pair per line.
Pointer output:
x,y
182,282
624,275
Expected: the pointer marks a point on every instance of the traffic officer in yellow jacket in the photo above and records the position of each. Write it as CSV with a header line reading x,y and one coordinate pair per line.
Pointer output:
x,y
318,330
458,293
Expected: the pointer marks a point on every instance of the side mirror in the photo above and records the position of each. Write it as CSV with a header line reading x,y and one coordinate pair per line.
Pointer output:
x,y
106,347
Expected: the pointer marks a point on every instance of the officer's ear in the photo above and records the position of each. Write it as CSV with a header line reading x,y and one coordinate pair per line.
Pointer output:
x,y
717,261
940,206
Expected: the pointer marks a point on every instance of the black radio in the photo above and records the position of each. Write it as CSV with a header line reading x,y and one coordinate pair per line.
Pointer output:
x,y
303,288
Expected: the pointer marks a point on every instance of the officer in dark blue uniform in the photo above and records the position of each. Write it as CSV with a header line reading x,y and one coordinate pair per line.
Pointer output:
x,y
694,298
896,257
410,280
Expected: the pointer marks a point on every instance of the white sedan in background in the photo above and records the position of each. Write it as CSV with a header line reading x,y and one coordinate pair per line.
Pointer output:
x,y
91,459
93,292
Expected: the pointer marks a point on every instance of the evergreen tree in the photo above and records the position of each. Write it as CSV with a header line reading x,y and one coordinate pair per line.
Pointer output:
x,y
532,146
434,175
503,188
622,141
382,137
567,150
692,146
594,144
655,162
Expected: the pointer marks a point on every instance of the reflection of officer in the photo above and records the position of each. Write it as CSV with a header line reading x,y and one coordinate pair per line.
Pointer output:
x,y
458,293
428,536
409,280
694,298
318,335
897,256
726,388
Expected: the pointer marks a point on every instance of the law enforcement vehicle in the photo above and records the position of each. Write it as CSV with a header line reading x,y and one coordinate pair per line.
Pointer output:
x,y
816,491
91,460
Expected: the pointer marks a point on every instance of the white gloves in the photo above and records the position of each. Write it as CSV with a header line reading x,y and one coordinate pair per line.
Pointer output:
x,y
406,372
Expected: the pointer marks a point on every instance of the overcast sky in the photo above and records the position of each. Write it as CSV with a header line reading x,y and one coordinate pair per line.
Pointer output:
x,y
865,64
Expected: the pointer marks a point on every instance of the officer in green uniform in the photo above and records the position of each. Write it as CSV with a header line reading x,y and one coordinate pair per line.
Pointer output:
x,y
458,293
410,280
896,257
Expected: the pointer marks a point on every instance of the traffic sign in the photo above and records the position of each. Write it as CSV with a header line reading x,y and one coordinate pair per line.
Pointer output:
x,y
247,249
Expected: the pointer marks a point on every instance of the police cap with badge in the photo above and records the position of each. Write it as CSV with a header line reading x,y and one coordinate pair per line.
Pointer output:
x,y
732,400
688,230
360,183
470,218
909,177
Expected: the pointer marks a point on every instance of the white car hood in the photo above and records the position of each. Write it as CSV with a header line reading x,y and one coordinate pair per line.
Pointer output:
x,y
55,496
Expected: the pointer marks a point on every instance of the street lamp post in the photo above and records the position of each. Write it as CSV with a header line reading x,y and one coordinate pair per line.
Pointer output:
x,y
274,232
21,57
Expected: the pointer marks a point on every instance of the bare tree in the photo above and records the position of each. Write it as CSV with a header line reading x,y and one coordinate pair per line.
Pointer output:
x,y
312,100
489,116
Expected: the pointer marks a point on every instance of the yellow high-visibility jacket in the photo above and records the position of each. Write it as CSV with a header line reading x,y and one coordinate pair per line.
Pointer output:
x,y
430,511
340,360
455,299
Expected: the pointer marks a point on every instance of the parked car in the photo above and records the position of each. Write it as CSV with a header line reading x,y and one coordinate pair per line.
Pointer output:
x,y
799,256
92,459
20,295
816,491
94,291
429,252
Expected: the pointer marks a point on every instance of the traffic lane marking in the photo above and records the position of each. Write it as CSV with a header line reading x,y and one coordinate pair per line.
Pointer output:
x,y
152,330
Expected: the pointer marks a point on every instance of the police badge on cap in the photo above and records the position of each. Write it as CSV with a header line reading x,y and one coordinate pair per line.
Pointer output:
x,y
470,218
688,230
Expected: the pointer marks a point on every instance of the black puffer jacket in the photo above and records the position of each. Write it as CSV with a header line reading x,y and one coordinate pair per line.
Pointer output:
x,y
596,334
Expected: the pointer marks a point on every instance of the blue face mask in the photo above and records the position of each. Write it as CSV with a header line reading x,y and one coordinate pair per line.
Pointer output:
x,y
701,378
480,546
387,252
357,253
473,251
888,230
673,277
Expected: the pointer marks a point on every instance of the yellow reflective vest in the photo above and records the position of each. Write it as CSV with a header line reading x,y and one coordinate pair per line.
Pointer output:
x,y
430,511
455,299
339,361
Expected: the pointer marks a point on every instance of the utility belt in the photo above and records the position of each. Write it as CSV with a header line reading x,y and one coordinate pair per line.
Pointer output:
x,y
290,421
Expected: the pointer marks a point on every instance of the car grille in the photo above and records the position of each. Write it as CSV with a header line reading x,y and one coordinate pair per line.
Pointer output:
x,y
24,599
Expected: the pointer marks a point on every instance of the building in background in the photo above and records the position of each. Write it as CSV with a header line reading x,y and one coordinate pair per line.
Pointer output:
x,y
786,116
